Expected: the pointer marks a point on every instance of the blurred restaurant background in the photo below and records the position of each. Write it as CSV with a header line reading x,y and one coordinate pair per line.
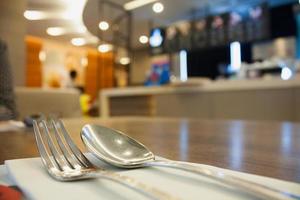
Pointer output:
x,y
208,59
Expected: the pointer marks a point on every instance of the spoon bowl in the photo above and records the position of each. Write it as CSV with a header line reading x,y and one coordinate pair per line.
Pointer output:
x,y
114,147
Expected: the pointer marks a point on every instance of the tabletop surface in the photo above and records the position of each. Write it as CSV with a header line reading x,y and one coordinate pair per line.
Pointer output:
x,y
265,148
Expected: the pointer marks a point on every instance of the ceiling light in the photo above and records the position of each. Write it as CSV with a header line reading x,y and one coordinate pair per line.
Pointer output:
x,y
143,39
158,7
103,25
124,61
56,31
103,48
34,15
137,3
78,41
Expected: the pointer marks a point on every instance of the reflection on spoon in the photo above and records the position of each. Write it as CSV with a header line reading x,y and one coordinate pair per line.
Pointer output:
x,y
118,149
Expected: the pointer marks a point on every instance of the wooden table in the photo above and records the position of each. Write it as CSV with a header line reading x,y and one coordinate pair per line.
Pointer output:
x,y
265,148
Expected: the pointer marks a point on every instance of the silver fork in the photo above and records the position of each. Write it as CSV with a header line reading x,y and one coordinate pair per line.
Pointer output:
x,y
65,162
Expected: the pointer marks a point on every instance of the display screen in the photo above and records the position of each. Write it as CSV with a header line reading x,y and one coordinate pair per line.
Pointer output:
x,y
257,23
171,40
218,30
200,35
236,26
244,25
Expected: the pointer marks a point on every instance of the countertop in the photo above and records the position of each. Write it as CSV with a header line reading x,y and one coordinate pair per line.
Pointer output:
x,y
204,86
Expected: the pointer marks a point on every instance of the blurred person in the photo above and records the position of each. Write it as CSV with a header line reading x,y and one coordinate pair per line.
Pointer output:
x,y
73,83
7,101
73,76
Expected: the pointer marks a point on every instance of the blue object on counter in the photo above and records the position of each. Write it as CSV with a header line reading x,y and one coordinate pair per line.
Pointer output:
x,y
159,75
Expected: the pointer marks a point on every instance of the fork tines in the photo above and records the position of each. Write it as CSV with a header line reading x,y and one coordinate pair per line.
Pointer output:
x,y
58,152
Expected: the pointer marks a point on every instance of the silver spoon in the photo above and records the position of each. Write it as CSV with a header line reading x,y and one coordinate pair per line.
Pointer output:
x,y
118,149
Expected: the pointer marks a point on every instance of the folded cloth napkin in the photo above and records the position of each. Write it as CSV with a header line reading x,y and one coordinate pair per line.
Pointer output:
x,y
31,176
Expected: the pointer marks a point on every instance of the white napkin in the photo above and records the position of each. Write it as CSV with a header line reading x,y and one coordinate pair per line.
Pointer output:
x,y
4,180
34,181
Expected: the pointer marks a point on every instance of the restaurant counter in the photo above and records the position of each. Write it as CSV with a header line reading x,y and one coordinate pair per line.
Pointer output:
x,y
258,99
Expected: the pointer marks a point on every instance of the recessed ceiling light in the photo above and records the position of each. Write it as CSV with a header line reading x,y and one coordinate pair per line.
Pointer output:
x,y
137,3
143,39
103,48
158,7
56,31
34,15
124,61
78,41
103,25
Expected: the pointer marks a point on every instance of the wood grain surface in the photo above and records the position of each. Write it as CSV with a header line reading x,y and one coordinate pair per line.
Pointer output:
x,y
265,148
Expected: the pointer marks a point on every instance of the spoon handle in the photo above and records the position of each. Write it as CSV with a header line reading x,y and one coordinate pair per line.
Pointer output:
x,y
249,187
131,183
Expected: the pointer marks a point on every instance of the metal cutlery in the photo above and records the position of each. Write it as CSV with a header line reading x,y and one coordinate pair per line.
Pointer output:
x,y
65,162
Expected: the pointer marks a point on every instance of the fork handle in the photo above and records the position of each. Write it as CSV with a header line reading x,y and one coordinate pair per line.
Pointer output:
x,y
249,187
135,185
